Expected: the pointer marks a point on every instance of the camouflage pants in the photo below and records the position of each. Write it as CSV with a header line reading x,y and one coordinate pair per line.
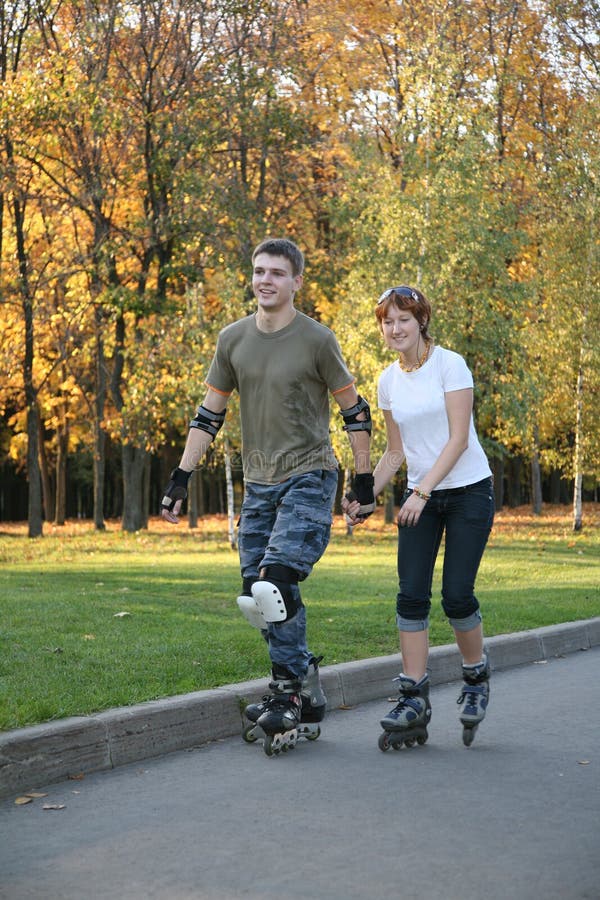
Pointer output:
x,y
287,524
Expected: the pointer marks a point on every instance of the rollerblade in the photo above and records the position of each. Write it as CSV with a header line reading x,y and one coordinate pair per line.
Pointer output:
x,y
407,722
474,697
313,704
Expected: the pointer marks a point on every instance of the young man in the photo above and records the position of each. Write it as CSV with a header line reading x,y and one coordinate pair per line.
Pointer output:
x,y
283,365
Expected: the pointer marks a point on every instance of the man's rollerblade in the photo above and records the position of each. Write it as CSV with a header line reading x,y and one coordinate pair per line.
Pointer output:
x,y
407,722
292,711
474,698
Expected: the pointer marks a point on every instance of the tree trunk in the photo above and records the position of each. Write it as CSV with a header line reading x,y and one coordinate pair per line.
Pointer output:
x,y
62,450
347,486
536,478
99,433
34,509
230,499
146,489
193,499
497,466
515,466
388,496
579,423
34,513
578,461
134,461
47,493
577,504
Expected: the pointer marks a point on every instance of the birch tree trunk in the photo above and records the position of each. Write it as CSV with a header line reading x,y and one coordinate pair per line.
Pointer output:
x,y
230,499
578,461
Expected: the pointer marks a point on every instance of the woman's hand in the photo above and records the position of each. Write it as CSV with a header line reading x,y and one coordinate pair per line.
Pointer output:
x,y
410,511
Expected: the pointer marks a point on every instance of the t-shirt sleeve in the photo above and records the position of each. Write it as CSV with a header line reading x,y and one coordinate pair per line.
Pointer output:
x,y
332,366
456,375
383,396
221,376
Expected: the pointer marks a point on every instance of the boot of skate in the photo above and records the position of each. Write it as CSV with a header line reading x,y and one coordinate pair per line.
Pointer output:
x,y
283,709
314,701
413,709
474,697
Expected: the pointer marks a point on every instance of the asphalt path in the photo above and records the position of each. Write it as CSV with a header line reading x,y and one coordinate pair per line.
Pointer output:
x,y
516,815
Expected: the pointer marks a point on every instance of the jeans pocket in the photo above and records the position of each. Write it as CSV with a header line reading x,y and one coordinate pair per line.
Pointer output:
x,y
479,507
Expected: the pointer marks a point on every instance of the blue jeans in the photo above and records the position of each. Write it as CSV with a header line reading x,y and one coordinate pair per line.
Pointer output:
x,y
287,524
466,516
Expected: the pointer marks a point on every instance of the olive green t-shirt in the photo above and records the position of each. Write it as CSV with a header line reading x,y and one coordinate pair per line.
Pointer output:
x,y
283,379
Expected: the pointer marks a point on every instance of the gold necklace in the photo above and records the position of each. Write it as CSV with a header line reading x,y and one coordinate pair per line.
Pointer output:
x,y
418,363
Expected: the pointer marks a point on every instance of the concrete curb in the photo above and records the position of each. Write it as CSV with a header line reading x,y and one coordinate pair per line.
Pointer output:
x,y
37,756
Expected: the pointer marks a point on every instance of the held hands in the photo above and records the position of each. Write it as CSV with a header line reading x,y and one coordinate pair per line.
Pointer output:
x,y
175,494
359,503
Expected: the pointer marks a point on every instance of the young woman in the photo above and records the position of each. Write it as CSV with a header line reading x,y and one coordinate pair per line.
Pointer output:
x,y
426,396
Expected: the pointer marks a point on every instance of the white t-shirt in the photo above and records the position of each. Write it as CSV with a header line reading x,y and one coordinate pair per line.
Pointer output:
x,y
416,400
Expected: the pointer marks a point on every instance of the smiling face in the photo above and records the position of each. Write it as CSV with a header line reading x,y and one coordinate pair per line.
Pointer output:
x,y
274,283
401,331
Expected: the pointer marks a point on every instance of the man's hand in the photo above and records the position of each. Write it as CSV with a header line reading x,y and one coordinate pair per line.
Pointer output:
x,y
360,501
175,494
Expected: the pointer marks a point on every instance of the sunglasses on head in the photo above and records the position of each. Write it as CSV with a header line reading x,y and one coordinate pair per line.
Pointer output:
x,y
402,290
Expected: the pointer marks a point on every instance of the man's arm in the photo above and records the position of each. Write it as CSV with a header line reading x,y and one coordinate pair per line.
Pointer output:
x,y
357,419
203,430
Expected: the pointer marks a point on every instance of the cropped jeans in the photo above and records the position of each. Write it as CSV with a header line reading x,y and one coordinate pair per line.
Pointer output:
x,y
465,515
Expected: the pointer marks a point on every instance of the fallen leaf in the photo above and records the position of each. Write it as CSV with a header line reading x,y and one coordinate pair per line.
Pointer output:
x,y
345,706
35,795
79,777
21,801
121,615
53,806
583,762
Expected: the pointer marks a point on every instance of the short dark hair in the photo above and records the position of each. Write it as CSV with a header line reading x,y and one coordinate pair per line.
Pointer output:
x,y
282,247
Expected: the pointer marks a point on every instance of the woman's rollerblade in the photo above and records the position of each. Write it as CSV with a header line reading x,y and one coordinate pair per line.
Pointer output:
x,y
292,711
474,697
407,722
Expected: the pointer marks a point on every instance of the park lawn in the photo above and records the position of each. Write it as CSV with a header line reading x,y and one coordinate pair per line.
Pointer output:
x,y
92,620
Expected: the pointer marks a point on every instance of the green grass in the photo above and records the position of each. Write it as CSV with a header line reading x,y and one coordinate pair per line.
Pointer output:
x,y
64,650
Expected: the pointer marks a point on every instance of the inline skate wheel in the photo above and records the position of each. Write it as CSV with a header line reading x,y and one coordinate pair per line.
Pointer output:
x,y
410,742
312,736
468,735
248,735
384,741
422,739
268,745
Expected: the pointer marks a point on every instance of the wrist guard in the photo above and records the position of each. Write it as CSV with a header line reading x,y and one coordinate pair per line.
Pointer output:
x,y
362,490
176,488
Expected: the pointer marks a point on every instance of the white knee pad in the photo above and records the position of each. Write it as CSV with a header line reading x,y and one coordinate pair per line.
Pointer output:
x,y
251,612
269,601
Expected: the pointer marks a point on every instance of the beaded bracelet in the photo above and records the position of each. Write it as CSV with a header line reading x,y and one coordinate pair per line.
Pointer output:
x,y
421,494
